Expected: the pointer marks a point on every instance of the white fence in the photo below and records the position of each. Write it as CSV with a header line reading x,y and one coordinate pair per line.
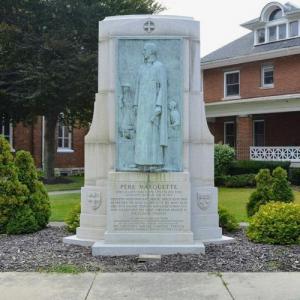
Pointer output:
x,y
291,154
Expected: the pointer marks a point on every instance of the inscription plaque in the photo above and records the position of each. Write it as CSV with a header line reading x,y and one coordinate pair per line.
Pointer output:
x,y
149,206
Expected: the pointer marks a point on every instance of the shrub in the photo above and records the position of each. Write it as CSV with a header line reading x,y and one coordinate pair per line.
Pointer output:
x,y
227,221
263,193
13,193
295,176
224,156
73,218
276,223
22,221
239,167
38,199
24,203
281,187
245,180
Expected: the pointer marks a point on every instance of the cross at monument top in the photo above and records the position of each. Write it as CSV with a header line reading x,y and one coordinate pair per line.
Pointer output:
x,y
149,26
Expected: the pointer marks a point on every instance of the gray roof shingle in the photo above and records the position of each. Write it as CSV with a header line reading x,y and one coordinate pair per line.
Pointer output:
x,y
244,47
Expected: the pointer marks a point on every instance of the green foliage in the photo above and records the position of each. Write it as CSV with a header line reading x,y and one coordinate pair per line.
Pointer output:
x,y
270,188
224,156
276,223
295,176
22,221
239,167
24,202
263,193
48,59
64,269
227,221
13,193
244,180
281,187
73,218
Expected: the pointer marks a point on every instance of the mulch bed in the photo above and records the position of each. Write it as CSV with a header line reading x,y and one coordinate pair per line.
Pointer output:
x,y
44,249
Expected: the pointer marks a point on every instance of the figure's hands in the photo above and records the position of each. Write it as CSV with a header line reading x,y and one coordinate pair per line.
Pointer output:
x,y
157,112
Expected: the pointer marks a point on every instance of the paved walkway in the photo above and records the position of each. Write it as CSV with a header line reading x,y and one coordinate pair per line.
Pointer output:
x,y
64,192
139,286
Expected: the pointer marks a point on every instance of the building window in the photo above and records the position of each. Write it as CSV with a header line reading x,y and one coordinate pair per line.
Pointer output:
x,y
294,28
272,34
267,76
259,133
275,14
261,36
6,130
282,31
232,83
64,137
229,133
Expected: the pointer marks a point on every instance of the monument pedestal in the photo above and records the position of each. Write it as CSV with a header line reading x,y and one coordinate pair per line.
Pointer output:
x,y
148,213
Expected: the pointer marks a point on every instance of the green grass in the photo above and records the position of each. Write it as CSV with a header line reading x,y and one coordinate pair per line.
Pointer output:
x,y
62,204
235,200
76,184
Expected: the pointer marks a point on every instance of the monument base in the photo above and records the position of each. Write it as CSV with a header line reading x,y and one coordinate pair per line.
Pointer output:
x,y
100,248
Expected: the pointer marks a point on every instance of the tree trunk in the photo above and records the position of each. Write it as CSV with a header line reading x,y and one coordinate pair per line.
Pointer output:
x,y
50,146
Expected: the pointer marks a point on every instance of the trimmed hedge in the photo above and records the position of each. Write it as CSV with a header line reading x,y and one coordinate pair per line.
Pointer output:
x,y
224,156
295,176
226,220
276,223
239,167
236,181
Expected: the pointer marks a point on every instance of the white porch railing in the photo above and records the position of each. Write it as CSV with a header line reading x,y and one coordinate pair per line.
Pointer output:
x,y
291,154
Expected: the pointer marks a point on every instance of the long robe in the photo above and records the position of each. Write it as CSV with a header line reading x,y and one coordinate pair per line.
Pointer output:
x,y
151,137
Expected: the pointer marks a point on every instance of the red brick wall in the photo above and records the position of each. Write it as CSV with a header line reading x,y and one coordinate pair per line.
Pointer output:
x,y
286,79
244,137
29,138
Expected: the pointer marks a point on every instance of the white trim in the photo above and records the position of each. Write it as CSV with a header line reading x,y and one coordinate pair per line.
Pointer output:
x,y
264,68
253,130
260,105
227,97
252,57
65,150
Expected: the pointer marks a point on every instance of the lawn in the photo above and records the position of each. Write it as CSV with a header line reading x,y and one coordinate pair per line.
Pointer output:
x,y
62,204
232,199
76,184
235,201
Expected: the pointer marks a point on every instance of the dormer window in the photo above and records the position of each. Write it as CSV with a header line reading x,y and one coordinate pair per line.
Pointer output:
x,y
261,35
294,28
275,14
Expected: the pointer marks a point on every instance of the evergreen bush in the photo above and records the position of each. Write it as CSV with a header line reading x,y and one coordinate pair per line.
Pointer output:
x,y
276,223
226,220
282,190
73,218
224,156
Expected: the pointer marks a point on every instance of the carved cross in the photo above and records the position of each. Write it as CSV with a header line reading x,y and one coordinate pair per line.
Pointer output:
x,y
149,26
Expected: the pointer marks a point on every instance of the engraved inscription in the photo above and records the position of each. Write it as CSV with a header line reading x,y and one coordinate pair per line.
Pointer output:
x,y
158,207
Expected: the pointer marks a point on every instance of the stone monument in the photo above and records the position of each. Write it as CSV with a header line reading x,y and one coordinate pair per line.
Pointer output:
x,y
149,156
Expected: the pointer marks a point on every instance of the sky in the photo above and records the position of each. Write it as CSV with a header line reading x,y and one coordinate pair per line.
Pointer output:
x,y
219,19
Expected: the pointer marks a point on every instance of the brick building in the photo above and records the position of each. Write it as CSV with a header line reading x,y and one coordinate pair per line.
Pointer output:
x,y
70,144
252,87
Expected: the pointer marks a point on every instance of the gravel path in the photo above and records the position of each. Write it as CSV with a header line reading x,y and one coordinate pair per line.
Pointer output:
x,y
45,249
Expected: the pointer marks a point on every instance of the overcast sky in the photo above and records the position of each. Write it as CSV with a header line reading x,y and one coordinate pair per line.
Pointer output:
x,y
220,19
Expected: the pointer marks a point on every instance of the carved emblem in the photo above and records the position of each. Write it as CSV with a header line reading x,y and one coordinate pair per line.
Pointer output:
x,y
94,200
203,201
149,26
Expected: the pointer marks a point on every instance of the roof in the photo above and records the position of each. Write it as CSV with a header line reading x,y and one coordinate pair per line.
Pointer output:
x,y
244,47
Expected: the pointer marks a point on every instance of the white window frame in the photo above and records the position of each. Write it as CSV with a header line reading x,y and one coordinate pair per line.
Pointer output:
x,y
225,85
225,134
276,23
253,130
64,148
264,68
10,136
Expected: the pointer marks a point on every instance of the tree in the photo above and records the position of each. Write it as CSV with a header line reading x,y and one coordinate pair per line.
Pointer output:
x,y
48,59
